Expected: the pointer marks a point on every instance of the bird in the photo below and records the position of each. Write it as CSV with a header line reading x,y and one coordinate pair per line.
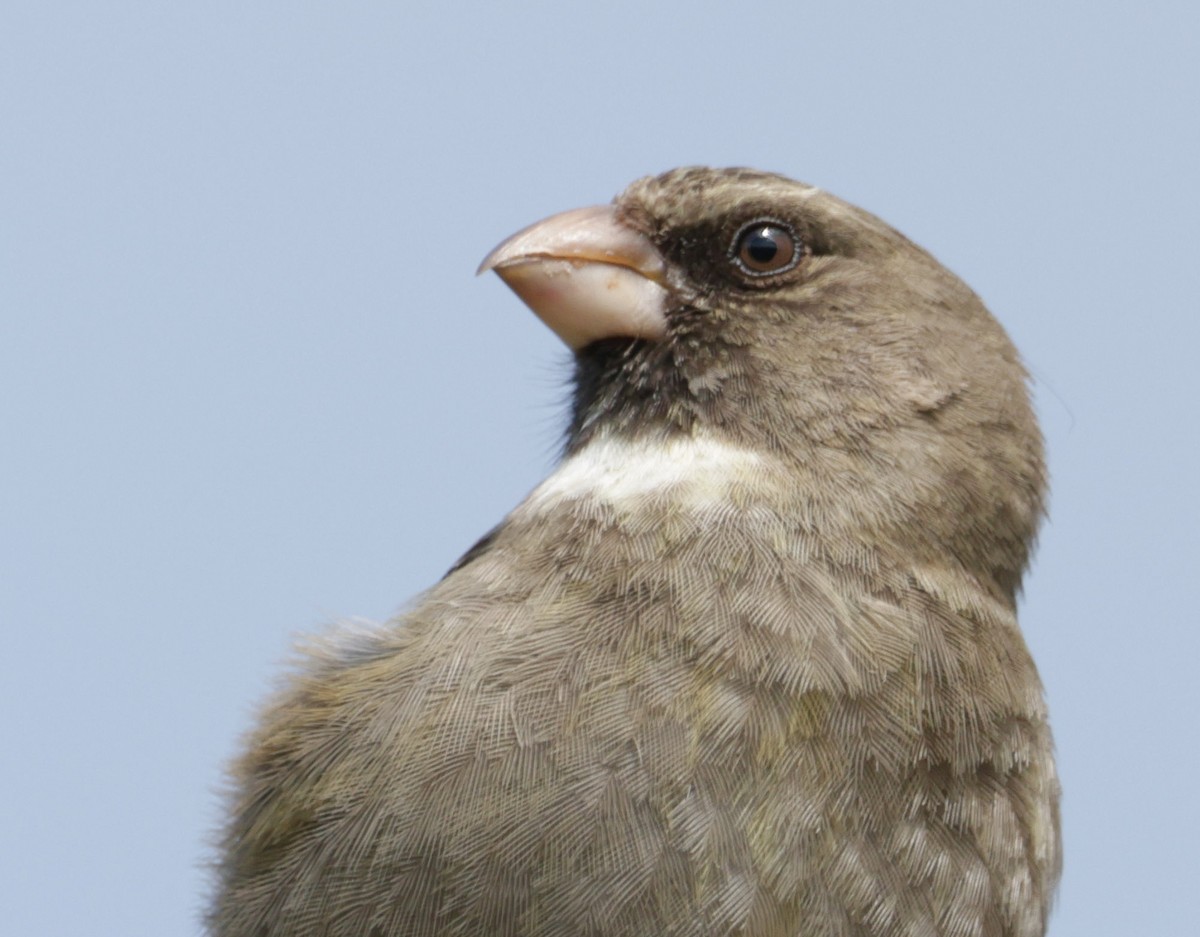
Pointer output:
x,y
747,661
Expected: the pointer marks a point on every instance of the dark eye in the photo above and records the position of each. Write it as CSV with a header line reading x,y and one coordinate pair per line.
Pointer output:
x,y
765,247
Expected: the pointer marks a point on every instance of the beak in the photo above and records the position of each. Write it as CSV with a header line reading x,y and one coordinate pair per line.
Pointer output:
x,y
586,275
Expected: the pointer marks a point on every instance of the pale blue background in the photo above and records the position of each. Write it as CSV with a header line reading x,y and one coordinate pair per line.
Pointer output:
x,y
248,382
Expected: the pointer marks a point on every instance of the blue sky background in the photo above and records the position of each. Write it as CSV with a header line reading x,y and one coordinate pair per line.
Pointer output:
x,y
249,383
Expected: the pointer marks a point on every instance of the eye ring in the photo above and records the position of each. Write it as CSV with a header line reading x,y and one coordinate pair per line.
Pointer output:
x,y
765,247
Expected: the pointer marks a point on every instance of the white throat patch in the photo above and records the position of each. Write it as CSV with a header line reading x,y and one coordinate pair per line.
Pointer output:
x,y
617,471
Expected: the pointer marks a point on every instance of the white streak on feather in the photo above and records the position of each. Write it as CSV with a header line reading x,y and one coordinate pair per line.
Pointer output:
x,y
697,470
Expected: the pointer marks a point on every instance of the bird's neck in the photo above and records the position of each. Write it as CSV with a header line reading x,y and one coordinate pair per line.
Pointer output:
x,y
651,490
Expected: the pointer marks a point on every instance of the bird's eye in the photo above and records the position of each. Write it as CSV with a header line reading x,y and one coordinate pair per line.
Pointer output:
x,y
765,247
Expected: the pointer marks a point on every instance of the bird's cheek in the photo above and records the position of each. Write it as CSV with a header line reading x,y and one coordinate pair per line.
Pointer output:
x,y
584,301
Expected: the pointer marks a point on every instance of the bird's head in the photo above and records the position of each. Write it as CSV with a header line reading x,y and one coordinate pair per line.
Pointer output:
x,y
764,313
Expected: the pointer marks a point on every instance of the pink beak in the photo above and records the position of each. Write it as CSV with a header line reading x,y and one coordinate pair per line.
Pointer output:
x,y
586,275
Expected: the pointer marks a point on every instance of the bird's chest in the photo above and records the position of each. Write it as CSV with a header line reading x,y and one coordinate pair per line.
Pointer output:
x,y
658,654
700,719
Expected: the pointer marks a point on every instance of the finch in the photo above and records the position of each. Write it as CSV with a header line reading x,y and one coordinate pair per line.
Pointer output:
x,y
746,663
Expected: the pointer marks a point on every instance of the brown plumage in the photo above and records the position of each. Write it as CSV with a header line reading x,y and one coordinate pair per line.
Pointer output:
x,y
746,663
